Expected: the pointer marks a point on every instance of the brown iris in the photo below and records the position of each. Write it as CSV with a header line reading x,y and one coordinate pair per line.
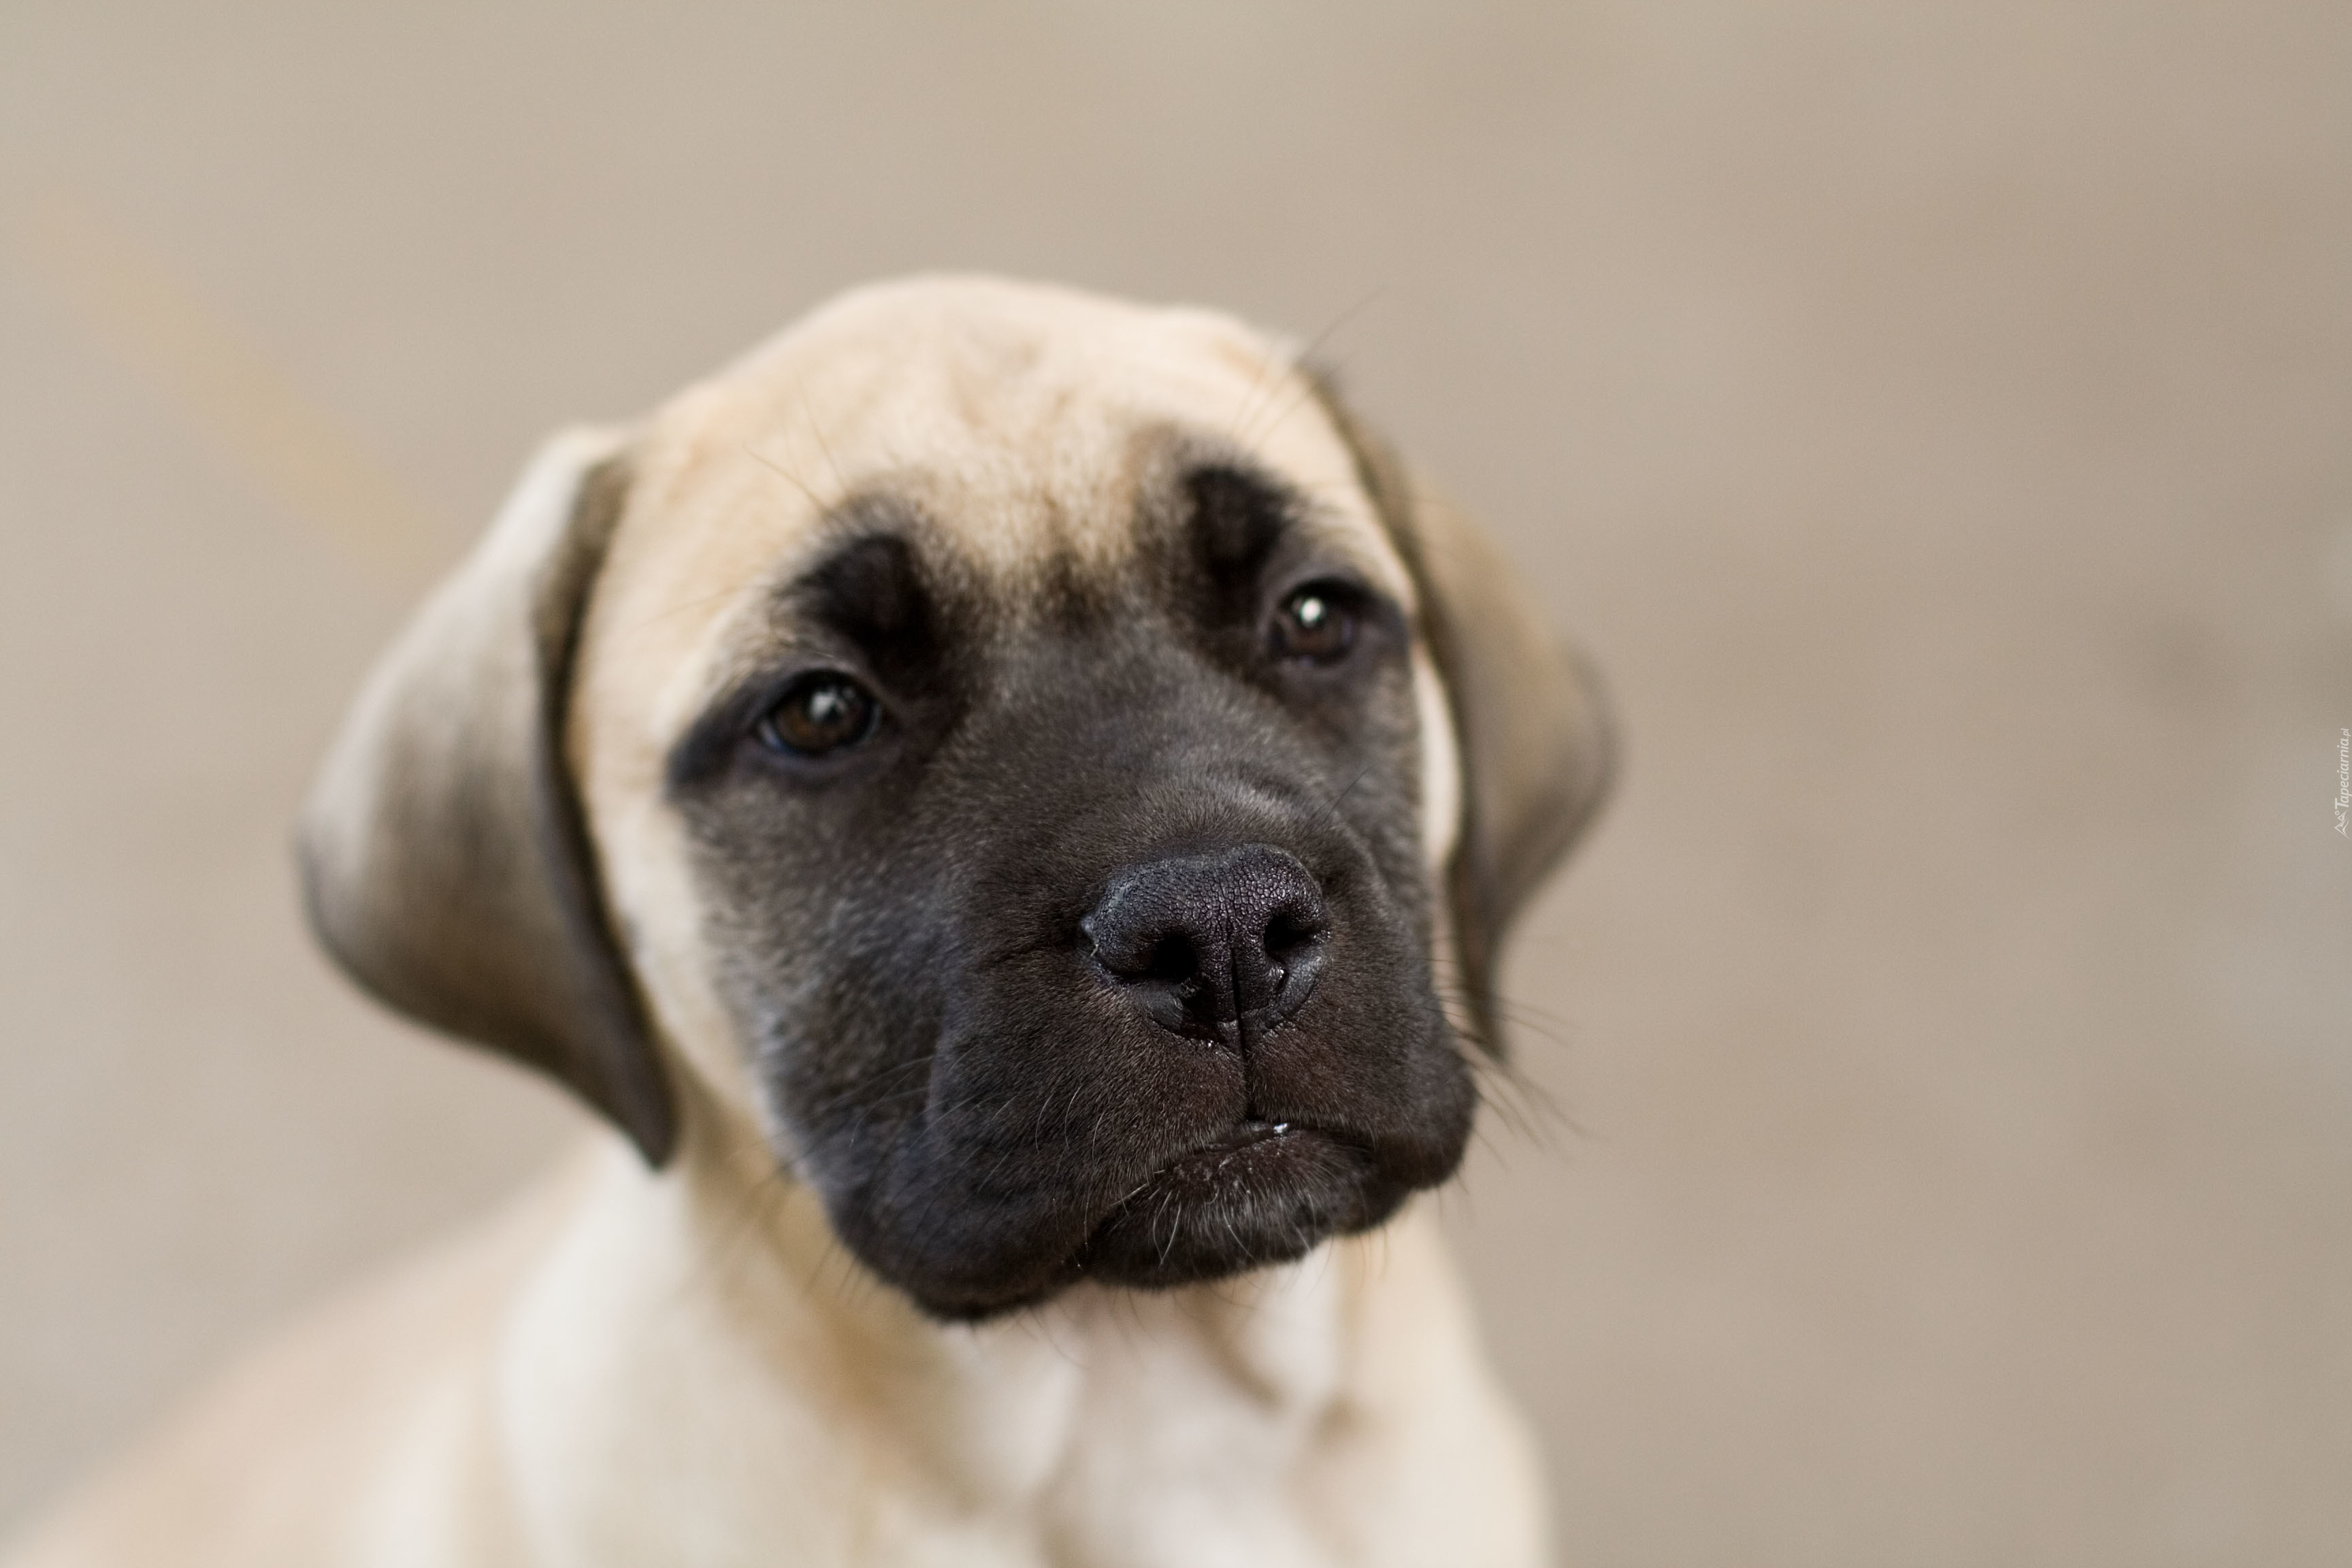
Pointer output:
x,y
819,713
1314,625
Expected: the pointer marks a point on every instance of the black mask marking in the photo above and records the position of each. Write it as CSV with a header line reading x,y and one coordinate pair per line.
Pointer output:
x,y
1106,955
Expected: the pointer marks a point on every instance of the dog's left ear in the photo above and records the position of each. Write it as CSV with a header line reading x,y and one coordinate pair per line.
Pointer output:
x,y
445,859
1530,721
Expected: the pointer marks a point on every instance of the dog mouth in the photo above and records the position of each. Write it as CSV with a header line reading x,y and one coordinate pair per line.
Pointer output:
x,y
1259,1192
1228,1146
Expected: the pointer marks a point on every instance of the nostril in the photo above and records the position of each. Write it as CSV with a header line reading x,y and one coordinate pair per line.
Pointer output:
x,y
1287,932
1172,959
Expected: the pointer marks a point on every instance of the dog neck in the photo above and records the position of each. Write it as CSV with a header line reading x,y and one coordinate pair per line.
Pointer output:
x,y
700,1332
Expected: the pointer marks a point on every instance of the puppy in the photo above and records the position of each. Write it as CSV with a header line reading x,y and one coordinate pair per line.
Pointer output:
x,y
987,796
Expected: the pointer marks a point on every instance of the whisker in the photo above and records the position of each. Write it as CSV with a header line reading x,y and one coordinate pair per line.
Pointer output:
x,y
1331,807
1301,363
809,413
783,473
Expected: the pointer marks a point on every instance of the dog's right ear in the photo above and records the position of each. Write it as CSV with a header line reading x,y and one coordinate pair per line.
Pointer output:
x,y
444,860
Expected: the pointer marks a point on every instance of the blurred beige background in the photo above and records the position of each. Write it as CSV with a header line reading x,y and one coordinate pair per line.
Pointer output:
x,y
1937,418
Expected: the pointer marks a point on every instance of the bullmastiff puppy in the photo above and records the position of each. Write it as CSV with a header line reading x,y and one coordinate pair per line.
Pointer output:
x,y
1008,803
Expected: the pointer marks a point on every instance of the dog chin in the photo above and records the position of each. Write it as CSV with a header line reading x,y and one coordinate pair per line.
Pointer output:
x,y
1258,1194
1262,1194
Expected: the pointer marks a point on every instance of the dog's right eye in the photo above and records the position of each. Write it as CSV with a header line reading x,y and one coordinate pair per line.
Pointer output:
x,y
820,714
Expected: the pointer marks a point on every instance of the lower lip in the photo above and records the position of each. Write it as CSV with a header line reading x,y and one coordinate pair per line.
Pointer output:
x,y
1252,1151
1260,1193
1243,1137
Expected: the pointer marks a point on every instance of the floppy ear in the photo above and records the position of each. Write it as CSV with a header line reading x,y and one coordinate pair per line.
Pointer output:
x,y
445,861
1530,720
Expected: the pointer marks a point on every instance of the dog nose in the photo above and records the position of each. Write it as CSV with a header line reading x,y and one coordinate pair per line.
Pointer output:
x,y
1220,946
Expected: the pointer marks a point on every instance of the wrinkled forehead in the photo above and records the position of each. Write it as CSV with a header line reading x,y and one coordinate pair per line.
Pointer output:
x,y
1025,425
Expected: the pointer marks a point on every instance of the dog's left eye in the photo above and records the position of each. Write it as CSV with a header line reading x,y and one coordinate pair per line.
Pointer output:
x,y
1316,624
822,712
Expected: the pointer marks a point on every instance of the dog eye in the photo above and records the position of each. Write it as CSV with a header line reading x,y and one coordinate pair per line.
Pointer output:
x,y
820,714
1316,624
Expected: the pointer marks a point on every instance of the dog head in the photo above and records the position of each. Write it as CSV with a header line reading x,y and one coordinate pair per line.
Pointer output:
x,y
1021,753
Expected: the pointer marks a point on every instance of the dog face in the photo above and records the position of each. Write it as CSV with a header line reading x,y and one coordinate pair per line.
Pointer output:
x,y
999,742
